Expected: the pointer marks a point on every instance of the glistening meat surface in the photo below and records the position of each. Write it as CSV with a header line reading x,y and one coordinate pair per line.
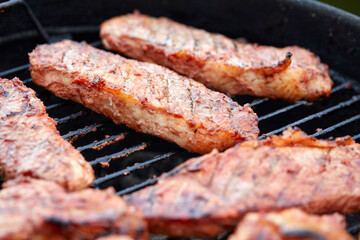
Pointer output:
x,y
144,96
206,196
30,144
219,62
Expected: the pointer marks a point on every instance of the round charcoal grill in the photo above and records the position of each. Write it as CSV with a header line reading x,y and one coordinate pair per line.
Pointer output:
x,y
128,160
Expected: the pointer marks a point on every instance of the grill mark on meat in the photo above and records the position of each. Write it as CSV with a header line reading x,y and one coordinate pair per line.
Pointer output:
x,y
192,102
260,182
149,90
147,30
319,185
243,170
235,46
193,41
152,200
213,172
226,187
167,90
196,43
215,46
231,115
178,194
168,40
293,178
178,43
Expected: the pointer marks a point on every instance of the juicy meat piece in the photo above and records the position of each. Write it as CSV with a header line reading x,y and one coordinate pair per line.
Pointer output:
x,y
214,191
30,144
146,97
292,224
217,61
38,209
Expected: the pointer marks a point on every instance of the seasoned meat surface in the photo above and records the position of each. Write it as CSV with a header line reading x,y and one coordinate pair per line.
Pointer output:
x,y
291,224
219,62
144,96
30,144
38,209
214,191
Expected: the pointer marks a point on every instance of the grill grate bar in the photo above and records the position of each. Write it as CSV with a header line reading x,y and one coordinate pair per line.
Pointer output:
x,y
282,110
127,170
55,105
31,14
27,80
82,131
258,102
71,117
356,137
123,153
14,70
316,115
96,43
353,229
340,87
340,124
138,186
299,103
98,145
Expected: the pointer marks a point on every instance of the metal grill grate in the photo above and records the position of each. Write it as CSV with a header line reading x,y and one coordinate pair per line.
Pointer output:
x,y
129,161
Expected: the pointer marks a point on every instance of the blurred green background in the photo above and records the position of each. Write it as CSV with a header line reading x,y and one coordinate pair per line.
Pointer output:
x,y
352,6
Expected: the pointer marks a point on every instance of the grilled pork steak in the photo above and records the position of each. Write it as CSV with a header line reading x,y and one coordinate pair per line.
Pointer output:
x,y
30,144
291,224
214,191
217,61
146,97
38,209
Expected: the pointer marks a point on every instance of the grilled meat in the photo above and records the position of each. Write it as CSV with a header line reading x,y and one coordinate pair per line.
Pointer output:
x,y
292,224
30,144
146,97
219,62
38,209
214,191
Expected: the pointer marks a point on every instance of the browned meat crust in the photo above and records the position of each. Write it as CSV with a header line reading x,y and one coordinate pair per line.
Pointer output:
x,y
217,61
30,144
292,224
146,97
214,191
38,209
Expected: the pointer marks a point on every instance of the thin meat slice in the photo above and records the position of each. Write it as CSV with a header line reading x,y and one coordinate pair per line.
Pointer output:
x,y
38,209
291,224
223,64
208,195
30,144
144,96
